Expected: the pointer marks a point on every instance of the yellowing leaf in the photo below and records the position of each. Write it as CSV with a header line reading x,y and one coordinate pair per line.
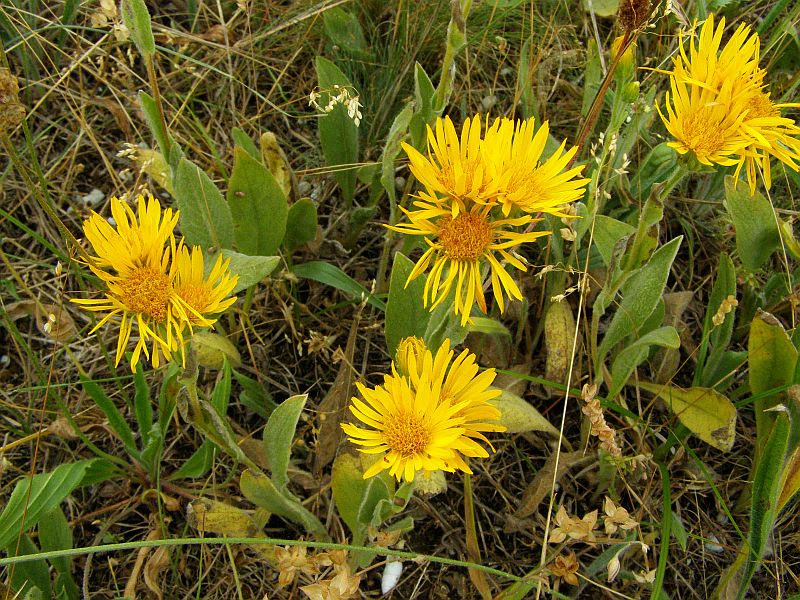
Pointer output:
x,y
706,412
559,330
519,416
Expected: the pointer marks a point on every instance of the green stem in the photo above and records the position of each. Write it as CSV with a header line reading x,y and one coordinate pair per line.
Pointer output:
x,y
666,524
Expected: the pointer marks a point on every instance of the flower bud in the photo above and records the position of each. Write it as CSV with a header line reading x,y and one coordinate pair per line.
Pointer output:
x,y
408,348
211,350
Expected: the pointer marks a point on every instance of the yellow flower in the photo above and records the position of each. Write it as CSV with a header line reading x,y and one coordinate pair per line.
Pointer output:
x,y
454,166
721,110
133,261
708,66
199,298
772,134
458,247
458,383
428,421
705,122
513,151
410,348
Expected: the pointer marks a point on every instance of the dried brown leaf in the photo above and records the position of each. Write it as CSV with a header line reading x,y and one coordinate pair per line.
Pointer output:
x,y
331,411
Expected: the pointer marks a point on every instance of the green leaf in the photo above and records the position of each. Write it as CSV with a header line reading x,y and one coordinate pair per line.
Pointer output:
x,y
136,18
55,534
657,166
198,464
487,326
254,396
391,150
261,491
344,30
168,146
142,404
47,491
772,358
279,437
646,239
519,416
258,206
593,75
526,85
206,219
333,276
221,394
337,133
678,530
30,578
607,232
444,324
757,235
214,351
632,355
250,269
424,112
765,492
640,295
115,419
301,224
718,336
405,314
602,8
245,142
356,497
704,411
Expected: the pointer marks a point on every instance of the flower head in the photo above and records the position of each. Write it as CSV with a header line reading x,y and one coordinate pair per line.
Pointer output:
x,y
513,152
427,421
473,181
200,297
11,110
454,169
152,283
720,108
458,248
133,261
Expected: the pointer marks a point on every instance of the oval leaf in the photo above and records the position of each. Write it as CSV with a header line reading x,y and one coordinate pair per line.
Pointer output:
x,y
519,416
258,206
704,411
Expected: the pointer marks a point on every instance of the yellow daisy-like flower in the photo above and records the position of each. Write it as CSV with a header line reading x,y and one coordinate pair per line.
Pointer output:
x,y
703,123
200,298
708,66
417,427
454,168
721,109
459,381
133,261
458,247
773,135
513,151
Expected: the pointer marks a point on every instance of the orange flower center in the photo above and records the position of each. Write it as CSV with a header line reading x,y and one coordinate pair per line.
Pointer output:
x,y
466,237
702,132
147,291
407,435
761,106
196,296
